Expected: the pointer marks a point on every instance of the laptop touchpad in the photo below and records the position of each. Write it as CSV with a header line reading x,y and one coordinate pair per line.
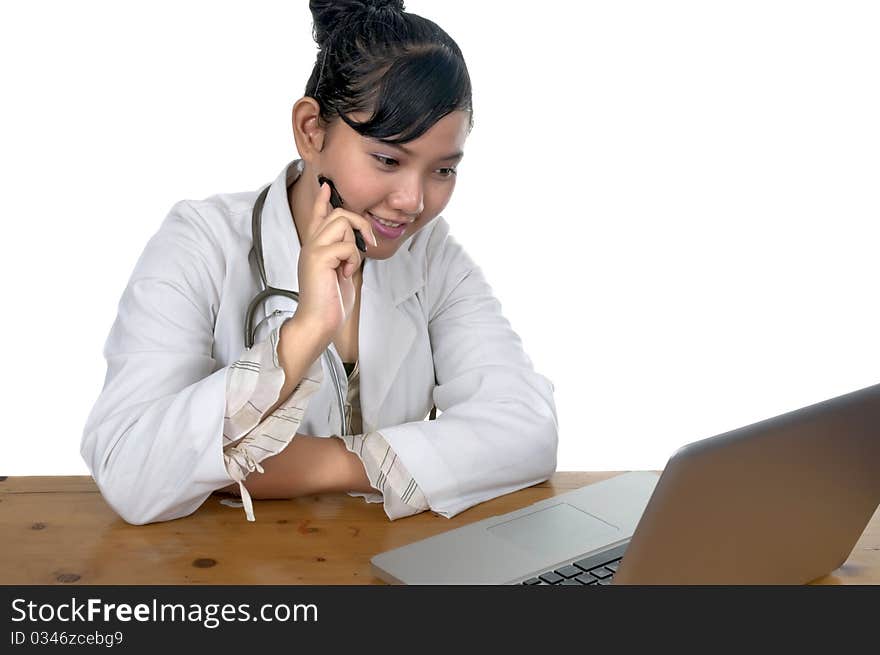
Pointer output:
x,y
556,532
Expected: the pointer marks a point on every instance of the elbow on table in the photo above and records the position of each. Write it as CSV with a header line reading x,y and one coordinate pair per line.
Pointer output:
x,y
537,416
130,516
546,436
137,501
550,448
135,505
143,506
536,427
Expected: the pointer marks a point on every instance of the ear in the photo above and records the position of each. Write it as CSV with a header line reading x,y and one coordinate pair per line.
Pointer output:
x,y
308,130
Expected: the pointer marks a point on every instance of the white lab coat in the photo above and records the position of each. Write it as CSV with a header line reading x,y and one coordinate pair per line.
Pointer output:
x,y
153,441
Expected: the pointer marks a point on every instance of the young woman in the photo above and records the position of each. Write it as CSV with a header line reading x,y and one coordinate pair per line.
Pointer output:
x,y
324,386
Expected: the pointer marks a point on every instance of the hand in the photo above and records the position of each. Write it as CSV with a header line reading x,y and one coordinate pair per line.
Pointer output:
x,y
327,260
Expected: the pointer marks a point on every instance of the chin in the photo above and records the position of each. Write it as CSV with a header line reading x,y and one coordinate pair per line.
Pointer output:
x,y
385,254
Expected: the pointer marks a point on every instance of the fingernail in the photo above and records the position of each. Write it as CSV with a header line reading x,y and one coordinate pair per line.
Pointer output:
x,y
375,243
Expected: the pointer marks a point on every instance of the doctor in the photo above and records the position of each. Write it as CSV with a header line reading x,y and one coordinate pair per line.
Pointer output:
x,y
334,393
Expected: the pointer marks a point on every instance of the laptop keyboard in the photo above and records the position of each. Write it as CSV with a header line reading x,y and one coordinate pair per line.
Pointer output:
x,y
593,570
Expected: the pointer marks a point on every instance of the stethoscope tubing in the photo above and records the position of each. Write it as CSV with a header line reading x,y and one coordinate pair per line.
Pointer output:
x,y
269,291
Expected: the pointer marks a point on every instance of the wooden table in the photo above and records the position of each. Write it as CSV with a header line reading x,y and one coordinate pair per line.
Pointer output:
x,y
59,530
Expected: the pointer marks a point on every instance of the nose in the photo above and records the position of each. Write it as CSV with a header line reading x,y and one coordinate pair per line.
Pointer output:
x,y
409,199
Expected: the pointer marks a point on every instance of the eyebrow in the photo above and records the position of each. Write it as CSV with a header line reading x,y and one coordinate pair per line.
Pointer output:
x,y
454,155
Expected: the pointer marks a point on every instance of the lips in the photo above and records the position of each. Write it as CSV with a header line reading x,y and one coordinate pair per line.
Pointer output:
x,y
396,223
386,231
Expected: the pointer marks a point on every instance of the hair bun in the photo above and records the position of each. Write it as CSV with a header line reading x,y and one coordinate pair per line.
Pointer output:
x,y
327,15
383,5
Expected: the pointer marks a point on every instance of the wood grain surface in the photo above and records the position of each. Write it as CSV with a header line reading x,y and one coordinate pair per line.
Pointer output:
x,y
59,530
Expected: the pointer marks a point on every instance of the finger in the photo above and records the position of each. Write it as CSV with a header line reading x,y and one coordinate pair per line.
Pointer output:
x,y
340,226
322,207
347,268
342,254
361,223
352,220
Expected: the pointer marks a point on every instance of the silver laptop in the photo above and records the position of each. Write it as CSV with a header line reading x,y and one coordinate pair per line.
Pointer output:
x,y
783,501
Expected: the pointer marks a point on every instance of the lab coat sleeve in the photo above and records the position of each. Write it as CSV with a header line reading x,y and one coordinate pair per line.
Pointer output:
x,y
398,492
254,384
153,440
498,429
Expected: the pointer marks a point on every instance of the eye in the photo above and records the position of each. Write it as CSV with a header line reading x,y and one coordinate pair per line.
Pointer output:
x,y
391,163
384,160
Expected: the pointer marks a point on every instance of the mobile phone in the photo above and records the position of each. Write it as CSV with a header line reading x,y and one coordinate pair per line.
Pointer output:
x,y
336,202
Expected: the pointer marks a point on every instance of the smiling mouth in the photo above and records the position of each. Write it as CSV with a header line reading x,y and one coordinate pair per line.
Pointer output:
x,y
384,222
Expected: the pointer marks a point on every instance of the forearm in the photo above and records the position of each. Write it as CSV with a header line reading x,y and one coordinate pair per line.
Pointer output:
x,y
299,345
308,465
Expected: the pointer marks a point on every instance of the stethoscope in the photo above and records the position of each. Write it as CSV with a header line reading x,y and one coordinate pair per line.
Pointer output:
x,y
269,291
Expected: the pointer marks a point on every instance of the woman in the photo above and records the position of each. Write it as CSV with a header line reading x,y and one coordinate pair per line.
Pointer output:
x,y
376,338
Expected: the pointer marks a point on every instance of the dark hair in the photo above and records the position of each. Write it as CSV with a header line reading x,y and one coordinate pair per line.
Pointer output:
x,y
375,57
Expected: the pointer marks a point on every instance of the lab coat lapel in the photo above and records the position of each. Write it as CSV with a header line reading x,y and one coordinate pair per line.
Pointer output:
x,y
385,331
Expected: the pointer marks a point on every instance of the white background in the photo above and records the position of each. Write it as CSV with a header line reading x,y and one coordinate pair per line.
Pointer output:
x,y
676,203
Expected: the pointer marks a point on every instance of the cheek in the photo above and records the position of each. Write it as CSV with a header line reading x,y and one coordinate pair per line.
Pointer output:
x,y
362,186
436,202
